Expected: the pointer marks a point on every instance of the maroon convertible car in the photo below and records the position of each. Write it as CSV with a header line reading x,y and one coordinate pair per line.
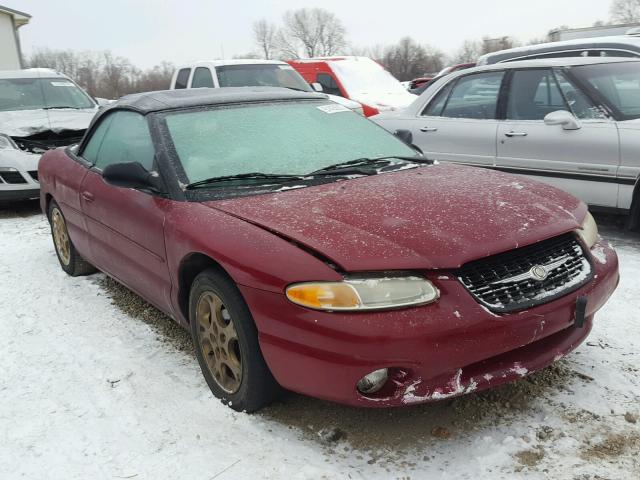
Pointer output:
x,y
307,248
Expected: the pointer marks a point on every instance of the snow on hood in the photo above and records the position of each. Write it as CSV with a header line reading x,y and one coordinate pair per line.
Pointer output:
x,y
23,123
429,217
366,81
385,100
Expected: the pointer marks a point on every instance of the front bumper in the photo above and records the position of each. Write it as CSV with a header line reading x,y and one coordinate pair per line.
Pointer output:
x,y
437,351
19,194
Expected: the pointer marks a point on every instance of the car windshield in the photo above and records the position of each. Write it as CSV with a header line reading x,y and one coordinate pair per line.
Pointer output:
x,y
277,139
365,76
618,83
38,93
261,75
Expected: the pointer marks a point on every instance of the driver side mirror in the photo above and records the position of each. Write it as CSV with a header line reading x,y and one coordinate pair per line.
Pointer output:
x,y
407,137
564,119
317,87
132,175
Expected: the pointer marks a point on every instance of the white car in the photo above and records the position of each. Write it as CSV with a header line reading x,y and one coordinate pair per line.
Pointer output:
x,y
571,122
249,73
39,109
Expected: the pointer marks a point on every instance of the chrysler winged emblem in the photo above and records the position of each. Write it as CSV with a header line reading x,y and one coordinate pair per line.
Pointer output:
x,y
537,272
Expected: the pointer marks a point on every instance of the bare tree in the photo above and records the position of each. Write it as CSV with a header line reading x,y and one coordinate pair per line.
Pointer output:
x,y
625,11
265,35
311,32
468,52
408,59
102,74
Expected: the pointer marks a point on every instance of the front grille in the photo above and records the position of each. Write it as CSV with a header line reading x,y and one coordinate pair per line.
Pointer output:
x,y
34,174
504,283
12,177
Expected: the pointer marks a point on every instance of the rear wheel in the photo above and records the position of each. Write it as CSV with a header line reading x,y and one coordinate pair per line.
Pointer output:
x,y
226,342
70,260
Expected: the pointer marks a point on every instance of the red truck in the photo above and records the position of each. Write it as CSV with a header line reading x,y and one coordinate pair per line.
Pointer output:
x,y
357,78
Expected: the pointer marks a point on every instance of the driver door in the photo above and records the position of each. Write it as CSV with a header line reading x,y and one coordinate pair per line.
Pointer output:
x,y
125,225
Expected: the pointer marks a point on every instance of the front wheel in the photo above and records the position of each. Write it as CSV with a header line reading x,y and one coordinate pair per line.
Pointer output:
x,y
226,343
70,260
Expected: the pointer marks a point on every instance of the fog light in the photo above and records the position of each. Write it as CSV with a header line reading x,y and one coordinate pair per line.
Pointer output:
x,y
373,382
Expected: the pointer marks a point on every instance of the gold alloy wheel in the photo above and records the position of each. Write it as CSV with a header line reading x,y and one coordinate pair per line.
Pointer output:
x,y
218,341
60,236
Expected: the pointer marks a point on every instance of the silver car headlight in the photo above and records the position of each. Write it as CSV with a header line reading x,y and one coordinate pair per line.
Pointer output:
x,y
588,231
7,143
357,294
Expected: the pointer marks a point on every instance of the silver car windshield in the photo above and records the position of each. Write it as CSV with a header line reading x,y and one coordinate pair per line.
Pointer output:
x,y
280,139
618,83
39,93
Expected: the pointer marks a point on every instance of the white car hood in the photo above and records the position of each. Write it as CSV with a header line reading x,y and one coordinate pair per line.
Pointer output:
x,y
345,102
23,123
22,161
384,100
630,124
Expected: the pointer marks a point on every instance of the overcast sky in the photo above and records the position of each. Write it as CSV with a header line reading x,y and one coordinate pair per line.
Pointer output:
x,y
149,31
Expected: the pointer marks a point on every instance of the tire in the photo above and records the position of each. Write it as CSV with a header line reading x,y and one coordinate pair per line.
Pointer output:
x,y
70,260
227,348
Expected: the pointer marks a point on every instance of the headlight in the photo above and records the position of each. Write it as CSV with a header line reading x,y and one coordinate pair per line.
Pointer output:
x,y
363,293
6,143
588,232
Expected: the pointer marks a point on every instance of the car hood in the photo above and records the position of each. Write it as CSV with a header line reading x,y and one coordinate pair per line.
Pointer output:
x,y
19,160
24,123
384,100
630,124
437,217
345,102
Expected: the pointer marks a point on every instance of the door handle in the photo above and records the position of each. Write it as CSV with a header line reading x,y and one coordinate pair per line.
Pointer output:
x,y
516,134
87,196
428,129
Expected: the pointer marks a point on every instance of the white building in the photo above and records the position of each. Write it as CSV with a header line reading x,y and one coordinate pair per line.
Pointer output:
x,y
591,32
10,21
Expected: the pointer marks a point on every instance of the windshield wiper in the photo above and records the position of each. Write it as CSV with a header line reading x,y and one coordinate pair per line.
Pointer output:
x,y
60,107
243,176
352,165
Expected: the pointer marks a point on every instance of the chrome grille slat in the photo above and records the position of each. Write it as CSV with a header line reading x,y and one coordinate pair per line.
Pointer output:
x,y
479,277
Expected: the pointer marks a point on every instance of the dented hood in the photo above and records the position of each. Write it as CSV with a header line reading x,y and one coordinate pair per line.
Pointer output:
x,y
437,217
24,123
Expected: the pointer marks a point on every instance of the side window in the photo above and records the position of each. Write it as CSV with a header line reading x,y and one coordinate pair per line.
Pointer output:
x,y
533,94
435,107
182,78
202,78
126,140
90,152
329,85
475,96
581,105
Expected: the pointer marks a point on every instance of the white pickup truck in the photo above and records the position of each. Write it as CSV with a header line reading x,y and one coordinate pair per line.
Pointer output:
x,y
249,73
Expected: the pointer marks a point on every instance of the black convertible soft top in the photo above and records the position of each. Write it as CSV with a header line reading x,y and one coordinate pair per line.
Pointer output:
x,y
174,99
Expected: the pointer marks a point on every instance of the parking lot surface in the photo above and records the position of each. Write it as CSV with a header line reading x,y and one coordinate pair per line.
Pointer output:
x,y
97,384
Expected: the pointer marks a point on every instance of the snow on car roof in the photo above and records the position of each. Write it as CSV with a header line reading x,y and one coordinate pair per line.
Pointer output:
x,y
31,73
173,99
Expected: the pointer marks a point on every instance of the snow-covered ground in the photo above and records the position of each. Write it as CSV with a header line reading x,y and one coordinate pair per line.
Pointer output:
x,y
96,384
